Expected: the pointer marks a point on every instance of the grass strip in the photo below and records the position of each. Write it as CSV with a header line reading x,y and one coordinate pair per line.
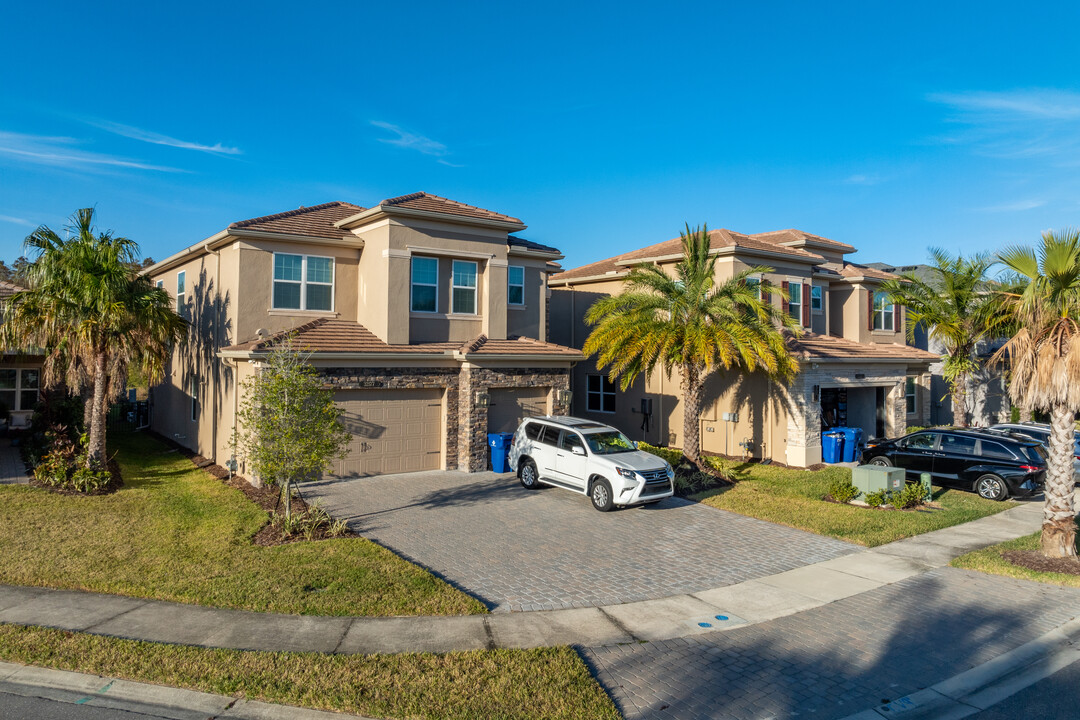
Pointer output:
x,y
792,497
505,684
990,560
175,533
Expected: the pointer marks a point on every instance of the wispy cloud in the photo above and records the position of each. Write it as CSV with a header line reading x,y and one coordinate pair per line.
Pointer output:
x,y
63,152
411,141
1016,206
1040,103
148,136
864,179
16,220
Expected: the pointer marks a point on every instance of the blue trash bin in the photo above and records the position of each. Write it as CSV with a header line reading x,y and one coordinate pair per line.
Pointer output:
x,y
500,451
832,446
853,443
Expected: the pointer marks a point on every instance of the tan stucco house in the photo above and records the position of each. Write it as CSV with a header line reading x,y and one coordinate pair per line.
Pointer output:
x,y
856,368
20,373
428,317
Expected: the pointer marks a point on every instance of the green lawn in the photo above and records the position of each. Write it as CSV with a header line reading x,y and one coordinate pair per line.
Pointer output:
x,y
990,560
793,497
527,684
175,533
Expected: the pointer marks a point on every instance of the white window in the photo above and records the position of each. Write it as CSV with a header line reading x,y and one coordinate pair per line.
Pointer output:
x,y
795,301
181,293
19,388
600,395
425,284
161,284
303,282
194,398
515,285
463,288
754,283
815,298
884,312
909,395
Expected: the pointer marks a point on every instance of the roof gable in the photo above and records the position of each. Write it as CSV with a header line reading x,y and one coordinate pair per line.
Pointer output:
x,y
314,221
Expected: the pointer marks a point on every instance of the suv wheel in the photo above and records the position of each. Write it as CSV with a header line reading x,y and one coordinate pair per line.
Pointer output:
x,y
601,496
881,461
991,487
529,477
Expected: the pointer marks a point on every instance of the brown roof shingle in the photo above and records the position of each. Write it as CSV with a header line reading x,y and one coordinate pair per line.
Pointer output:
x,y
433,203
851,270
7,289
314,221
791,235
829,347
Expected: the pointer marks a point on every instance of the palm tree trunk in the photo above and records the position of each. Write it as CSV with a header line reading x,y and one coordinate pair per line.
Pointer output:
x,y
959,401
96,448
1059,527
691,388
87,395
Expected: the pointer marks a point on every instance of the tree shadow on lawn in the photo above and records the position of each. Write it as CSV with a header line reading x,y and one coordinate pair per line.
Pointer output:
x,y
837,659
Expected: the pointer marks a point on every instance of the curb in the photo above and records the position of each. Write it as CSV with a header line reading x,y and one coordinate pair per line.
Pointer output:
x,y
160,700
983,686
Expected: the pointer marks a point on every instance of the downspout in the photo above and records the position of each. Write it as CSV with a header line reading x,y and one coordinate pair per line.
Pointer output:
x,y
213,375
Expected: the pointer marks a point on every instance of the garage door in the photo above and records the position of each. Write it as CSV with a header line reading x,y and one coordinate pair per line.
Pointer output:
x,y
509,405
393,431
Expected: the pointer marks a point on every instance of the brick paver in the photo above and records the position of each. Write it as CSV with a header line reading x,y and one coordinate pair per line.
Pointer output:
x,y
12,468
549,549
837,659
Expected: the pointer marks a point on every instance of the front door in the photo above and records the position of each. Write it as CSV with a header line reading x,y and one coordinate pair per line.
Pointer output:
x,y
879,415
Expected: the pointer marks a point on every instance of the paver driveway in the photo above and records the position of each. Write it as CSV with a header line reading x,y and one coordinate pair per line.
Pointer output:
x,y
549,549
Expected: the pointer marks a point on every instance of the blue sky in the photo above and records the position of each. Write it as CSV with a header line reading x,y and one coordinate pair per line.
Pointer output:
x,y
605,127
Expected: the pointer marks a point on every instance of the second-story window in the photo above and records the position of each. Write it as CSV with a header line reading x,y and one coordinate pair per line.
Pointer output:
x,y
303,282
463,288
815,298
425,285
181,294
754,283
515,285
795,301
884,312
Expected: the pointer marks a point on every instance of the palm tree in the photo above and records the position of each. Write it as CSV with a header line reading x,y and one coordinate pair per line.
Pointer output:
x,y
692,323
955,306
1044,356
93,315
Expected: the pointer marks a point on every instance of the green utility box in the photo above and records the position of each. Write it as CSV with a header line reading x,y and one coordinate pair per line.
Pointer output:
x,y
872,478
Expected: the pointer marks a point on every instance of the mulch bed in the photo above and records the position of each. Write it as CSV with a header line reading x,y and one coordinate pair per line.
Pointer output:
x,y
268,497
116,481
1035,560
740,460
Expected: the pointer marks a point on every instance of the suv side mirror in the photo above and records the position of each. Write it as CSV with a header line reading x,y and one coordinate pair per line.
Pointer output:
x,y
635,444
577,450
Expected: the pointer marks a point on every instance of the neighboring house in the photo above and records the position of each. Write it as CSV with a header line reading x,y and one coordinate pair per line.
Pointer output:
x,y
988,392
426,316
20,373
856,368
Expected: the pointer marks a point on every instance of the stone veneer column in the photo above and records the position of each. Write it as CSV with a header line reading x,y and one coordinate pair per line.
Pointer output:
x,y
472,422
804,422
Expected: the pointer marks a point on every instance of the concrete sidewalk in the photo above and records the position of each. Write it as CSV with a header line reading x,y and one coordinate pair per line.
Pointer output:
x,y
679,616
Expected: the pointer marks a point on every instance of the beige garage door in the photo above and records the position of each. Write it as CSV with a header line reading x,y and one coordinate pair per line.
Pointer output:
x,y
393,431
509,405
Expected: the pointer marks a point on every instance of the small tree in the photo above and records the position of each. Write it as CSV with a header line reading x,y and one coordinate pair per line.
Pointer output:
x,y
289,427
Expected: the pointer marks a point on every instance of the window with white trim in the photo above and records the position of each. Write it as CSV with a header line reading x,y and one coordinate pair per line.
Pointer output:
x,y
19,388
463,288
815,298
794,305
884,312
754,283
600,394
909,395
181,294
303,282
160,285
194,398
425,285
515,285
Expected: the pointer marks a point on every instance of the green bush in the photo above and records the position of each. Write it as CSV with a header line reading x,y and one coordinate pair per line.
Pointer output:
x,y
912,495
876,499
720,465
675,457
53,469
88,480
693,482
309,522
842,490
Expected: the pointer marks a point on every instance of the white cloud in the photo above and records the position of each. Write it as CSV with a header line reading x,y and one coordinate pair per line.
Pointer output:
x,y
154,138
411,141
864,179
1040,103
16,220
1016,206
61,152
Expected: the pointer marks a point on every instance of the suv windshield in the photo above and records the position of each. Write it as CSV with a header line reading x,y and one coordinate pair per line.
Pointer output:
x,y
609,442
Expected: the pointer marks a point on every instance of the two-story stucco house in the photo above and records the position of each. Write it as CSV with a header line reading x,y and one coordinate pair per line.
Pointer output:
x,y
426,316
20,374
856,369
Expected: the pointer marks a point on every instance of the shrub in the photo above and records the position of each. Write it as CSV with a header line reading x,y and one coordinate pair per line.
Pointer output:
x,y
673,456
912,495
842,490
693,482
914,429
53,469
88,480
309,523
720,465
876,499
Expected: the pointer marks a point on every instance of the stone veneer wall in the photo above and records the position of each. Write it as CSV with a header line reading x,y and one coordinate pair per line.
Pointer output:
x,y
466,439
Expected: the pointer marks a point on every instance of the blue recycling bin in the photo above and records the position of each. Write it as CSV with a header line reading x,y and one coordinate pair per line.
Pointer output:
x,y
853,443
500,451
832,447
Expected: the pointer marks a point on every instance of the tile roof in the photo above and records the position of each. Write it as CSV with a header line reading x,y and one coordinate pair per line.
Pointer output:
x,y
314,221
792,235
829,347
851,270
514,241
434,203
331,335
7,289
722,238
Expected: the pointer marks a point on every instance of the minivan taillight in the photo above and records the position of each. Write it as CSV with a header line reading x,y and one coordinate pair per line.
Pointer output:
x,y
1030,468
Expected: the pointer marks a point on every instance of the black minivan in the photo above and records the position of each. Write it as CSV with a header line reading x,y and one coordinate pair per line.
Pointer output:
x,y
992,463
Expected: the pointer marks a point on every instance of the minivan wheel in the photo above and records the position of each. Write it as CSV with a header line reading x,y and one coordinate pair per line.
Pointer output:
x,y
881,461
529,477
991,487
601,496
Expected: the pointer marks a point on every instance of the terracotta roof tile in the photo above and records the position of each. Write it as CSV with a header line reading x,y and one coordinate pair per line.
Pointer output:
x,y
791,235
854,270
514,241
517,345
434,203
828,347
7,289
314,221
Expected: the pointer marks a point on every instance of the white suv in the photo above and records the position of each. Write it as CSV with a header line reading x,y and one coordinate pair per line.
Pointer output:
x,y
590,458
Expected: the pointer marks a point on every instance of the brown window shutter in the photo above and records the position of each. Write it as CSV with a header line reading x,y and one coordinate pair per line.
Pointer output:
x,y
806,304
784,295
870,320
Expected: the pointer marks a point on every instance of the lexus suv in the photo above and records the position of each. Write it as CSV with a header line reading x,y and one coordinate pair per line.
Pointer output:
x,y
993,463
589,458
